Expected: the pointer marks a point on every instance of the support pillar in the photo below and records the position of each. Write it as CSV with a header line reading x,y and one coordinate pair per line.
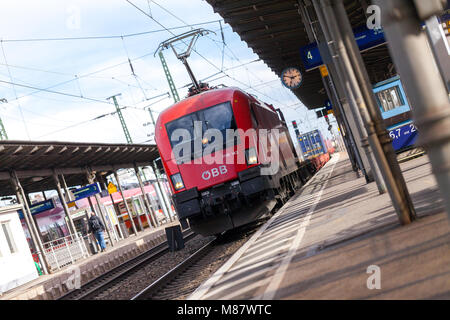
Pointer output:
x,y
336,18
353,96
30,222
105,186
423,85
150,212
66,189
125,202
90,175
336,91
64,204
159,194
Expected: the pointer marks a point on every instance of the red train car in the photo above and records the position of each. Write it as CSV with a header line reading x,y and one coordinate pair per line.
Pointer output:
x,y
226,153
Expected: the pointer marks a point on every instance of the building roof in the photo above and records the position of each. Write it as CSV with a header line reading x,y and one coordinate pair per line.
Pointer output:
x,y
34,161
275,31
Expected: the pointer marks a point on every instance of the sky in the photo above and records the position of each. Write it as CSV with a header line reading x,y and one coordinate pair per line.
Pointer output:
x,y
41,49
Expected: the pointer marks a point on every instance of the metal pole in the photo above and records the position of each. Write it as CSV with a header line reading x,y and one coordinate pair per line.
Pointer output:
x,y
138,216
90,176
125,202
30,222
117,216
423,85
354,102
105,186
440,47
147,204
354,98
351,139
319,34
167,207
377,134
66,190
64,204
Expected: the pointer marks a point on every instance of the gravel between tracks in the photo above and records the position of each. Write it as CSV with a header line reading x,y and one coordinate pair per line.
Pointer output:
x,y
204,269
137,281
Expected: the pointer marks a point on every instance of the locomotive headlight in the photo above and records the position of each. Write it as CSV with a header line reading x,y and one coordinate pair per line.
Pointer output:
x,y
177,181
251,156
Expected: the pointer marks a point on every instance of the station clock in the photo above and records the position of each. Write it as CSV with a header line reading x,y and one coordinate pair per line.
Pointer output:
x,y
291,78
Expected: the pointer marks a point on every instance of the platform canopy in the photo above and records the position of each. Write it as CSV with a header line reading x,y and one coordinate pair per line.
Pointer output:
x,y
34,161
276,32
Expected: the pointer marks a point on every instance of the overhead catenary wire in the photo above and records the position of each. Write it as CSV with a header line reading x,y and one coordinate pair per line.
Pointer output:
x,y
138,79
90,120
207,60
84,75
15,93
109,36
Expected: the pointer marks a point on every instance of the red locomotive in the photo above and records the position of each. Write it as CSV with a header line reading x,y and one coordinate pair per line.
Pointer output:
x,y
215,196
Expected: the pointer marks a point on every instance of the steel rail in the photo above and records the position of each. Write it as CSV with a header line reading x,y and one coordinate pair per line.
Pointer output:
x,y
163,281
105,280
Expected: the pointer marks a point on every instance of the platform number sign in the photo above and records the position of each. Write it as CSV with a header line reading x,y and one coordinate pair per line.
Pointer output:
x,y
404,136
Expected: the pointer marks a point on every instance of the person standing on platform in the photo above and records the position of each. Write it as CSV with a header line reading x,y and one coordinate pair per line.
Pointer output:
x,y
96,227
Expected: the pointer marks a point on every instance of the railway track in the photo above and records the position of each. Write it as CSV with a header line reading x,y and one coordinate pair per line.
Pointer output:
x,y
182,280
173,283
100,284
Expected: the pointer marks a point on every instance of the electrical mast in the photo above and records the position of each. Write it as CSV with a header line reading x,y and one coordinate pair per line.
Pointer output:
x,y
3,134
122,120
169,78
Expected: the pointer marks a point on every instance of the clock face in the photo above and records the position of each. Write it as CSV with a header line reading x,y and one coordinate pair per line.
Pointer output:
x,y
291,78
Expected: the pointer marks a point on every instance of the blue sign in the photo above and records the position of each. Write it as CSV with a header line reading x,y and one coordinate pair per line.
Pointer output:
x,y
328,105
86,191
365,39
39,207
403,136
310,55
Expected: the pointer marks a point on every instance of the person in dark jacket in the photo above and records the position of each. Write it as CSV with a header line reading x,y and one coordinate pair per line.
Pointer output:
x,y
97,227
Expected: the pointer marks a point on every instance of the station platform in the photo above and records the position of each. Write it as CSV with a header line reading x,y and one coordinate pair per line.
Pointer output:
x,y
338,238
57,284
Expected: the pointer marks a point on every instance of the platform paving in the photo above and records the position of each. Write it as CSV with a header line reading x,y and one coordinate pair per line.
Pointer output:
x,y
337,238
57,284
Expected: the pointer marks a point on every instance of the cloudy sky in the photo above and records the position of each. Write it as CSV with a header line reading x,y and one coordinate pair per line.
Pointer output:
x,y
43,46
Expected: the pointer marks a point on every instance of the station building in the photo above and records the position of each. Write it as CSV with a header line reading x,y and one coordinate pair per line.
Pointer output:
x,y
52,232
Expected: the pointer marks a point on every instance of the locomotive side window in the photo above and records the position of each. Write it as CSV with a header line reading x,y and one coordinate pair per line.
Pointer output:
x,y
390,98
253,116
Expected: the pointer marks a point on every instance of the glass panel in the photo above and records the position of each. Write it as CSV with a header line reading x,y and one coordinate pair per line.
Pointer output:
x,y
186,122
9,237
216,117
390,98
219,117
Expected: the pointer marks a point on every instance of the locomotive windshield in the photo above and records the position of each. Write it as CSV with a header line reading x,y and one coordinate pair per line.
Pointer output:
x,y
218,117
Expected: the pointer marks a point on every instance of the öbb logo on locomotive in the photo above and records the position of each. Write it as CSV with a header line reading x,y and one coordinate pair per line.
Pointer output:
x,y
214,172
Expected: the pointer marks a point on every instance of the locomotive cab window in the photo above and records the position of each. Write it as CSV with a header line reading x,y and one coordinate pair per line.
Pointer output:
x,y
390,98
218,117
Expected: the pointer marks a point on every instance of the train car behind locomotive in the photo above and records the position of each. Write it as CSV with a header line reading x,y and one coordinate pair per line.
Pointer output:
x,y
226,153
